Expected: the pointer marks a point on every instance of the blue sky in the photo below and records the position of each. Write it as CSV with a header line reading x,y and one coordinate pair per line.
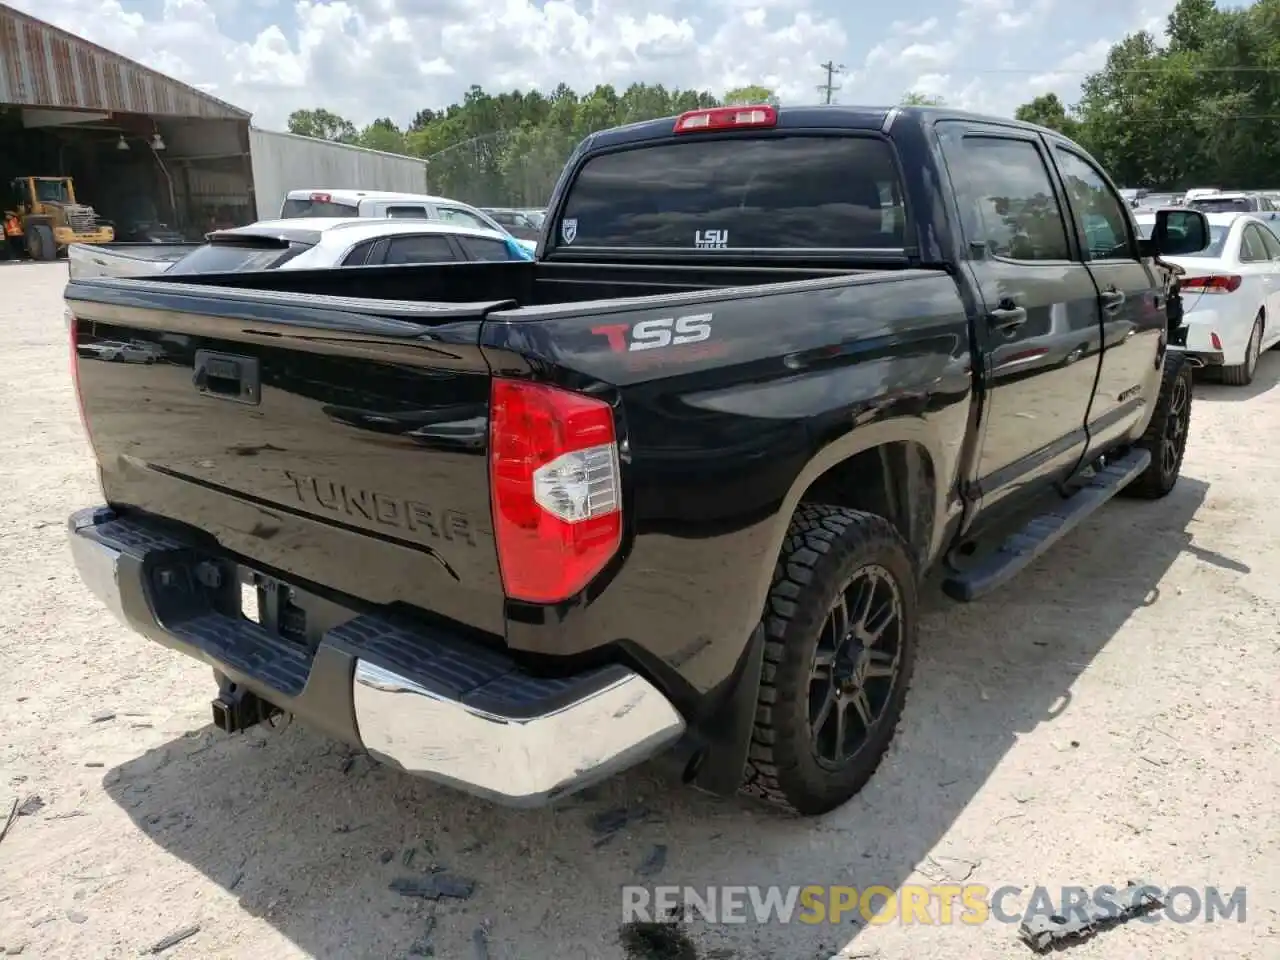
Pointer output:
x,y
369,58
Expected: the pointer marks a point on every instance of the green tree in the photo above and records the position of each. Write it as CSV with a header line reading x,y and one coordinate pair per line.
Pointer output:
x,y
1047,111
510,148
1201,105
383,135
752,94
322,125
913,98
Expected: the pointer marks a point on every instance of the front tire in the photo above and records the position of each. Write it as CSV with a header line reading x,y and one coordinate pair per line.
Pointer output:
x,y
43,246
1166,435
840,647
1241,374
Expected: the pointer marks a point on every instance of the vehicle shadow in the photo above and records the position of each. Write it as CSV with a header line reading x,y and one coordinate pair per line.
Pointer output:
x,y
1265,378
309,837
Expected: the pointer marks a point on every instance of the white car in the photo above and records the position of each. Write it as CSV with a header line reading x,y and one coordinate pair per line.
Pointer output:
x,y
319,202
1230,294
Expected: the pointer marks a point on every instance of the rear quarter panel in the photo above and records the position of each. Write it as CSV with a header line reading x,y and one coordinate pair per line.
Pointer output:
x,y
720,435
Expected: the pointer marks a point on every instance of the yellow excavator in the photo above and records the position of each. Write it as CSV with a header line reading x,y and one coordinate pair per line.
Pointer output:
x,y
45,218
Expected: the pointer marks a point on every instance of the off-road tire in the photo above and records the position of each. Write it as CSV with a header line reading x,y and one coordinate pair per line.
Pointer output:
x,y
1241,374
1158,480
823,548
42,246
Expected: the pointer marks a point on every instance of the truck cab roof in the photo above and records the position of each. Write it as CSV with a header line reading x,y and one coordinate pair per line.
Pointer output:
x,y
353,197
817,117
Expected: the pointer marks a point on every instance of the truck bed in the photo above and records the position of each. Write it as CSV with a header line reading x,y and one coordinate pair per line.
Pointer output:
x,y
513,284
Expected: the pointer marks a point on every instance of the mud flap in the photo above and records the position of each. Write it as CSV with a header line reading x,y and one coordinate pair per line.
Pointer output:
x,y
727,733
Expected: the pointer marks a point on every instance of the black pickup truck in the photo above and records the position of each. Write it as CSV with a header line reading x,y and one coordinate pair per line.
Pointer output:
x,y
669,488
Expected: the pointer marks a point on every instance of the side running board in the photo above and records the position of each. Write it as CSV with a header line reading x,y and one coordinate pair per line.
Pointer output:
x,y
1046,529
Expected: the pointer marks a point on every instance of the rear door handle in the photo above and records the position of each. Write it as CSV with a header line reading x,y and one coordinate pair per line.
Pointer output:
x,y
1007,316
1112,300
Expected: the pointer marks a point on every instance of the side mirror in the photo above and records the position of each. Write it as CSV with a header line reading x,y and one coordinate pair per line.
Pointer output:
x,y
1179,233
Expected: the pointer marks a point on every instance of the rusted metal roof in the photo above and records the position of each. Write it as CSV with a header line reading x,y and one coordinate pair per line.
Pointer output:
x,y
42,66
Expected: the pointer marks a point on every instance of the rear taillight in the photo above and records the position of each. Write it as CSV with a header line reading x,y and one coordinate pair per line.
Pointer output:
x,y
555,485
1215,339
321,198
1219,283
726,118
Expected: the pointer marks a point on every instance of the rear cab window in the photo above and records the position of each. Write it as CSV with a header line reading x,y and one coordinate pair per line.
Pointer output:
x,y
1222,204
237,257
778,192
317,205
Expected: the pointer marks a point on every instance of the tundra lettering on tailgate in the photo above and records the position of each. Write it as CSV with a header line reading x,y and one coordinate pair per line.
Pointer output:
x,y
381,509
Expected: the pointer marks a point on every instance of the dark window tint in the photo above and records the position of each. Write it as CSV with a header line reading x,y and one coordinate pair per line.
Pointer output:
x,y
407,213
359,255
424,248
315,208
235,258
1007,198
1100,213
781,192
482,248
1223,204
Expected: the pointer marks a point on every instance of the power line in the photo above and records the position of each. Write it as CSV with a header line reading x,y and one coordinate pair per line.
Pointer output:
x,y
832,69
1043,71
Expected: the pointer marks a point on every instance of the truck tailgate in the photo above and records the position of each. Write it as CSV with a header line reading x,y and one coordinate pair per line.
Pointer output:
x,y
337,440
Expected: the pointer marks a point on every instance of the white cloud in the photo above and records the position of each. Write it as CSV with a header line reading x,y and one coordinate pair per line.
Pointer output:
x,y
905,28
369,58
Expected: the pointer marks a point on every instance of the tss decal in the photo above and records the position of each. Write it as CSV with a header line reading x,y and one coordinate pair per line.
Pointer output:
x,y
655,333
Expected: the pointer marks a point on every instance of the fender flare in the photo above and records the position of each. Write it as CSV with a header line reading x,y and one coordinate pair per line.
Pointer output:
x,y
855,441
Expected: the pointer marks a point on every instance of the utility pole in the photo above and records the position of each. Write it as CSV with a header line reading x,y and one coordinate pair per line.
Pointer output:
x,y
829,87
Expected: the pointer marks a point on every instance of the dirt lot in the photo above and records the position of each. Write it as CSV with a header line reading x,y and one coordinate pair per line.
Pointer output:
x,y
1111,715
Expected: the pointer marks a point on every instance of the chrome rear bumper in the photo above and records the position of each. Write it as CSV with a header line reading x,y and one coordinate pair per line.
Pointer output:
x,y
520,761
432,704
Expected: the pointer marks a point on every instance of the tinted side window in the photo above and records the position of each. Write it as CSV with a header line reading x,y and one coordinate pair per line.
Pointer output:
x,y
1007,198
424,248
482,248
780,192
359,255
407,213
1100,214
1271,242
1252,247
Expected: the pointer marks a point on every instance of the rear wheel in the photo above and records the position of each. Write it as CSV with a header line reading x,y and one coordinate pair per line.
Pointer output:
x,y
840,646
1166,435
1241,374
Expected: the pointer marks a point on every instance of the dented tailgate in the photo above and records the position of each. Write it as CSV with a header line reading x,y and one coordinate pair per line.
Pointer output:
x,y
336,440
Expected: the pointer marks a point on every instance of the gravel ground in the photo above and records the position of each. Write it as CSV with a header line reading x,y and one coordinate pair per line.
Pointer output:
x,y
1111,715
